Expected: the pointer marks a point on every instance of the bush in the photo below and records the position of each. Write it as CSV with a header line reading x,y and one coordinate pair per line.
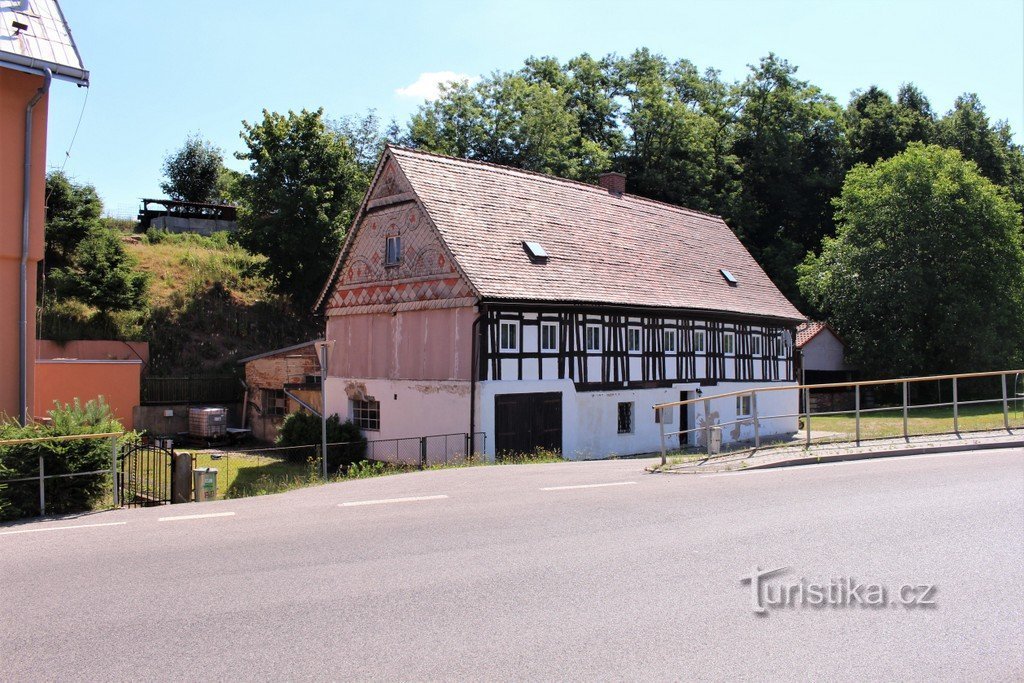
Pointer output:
x,y
65,495
303,429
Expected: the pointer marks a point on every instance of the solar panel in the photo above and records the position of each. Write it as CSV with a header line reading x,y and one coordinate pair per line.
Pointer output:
x,y
535,250
729,277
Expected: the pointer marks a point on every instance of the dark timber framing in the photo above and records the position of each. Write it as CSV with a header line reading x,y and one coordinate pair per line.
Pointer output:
x,y
658,367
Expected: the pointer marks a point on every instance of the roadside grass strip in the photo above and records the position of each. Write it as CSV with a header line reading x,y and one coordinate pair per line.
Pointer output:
x,y
587,486
384,501
60,528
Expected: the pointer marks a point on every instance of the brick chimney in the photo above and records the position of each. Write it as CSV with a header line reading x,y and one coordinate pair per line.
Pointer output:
x,y
614,182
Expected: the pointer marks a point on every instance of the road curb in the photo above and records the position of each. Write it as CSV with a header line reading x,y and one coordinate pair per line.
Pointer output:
x,y
866,455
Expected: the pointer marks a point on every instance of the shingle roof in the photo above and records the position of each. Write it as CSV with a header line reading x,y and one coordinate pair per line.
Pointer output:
x,y
603,248
46,43
810,329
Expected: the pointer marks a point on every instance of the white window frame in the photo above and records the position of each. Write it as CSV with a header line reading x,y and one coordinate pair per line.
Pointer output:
x,y
729,337
670,335
513,336
699,341
587,338
554,346
755,344
397,241
631,334
366,414
744,401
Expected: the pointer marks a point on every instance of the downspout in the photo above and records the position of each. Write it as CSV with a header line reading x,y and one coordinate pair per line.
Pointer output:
x,y
25,213
473,370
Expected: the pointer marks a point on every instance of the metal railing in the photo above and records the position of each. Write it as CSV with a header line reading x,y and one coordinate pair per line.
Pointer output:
x,y
41,475
859,410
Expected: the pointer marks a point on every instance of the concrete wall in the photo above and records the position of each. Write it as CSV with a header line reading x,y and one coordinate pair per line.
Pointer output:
x,y
16,89
117,381
200,226
156,421
824,352
93,349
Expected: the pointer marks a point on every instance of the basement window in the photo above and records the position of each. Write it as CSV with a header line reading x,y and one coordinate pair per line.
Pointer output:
x,y
625,418
366,414
508,336
393,251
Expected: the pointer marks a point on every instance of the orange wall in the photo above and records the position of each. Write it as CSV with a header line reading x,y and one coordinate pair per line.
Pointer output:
x,y
118,381
93,349
16,89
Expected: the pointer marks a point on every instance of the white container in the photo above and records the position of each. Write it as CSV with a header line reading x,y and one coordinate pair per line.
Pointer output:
x,y
208,423
714,440
204,483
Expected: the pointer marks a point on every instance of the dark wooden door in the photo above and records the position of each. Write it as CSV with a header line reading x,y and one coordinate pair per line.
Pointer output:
x,y
684,418
525,422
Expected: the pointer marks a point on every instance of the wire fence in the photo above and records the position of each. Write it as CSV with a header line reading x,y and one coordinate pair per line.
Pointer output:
x,y
847,412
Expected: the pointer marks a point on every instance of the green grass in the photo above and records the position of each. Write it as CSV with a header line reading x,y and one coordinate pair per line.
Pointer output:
x,y
920,421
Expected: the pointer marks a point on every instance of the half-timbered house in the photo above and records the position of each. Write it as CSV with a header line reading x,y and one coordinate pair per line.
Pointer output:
x,y
542,312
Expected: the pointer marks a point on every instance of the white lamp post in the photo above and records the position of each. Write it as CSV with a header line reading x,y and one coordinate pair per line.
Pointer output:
x,y
322,347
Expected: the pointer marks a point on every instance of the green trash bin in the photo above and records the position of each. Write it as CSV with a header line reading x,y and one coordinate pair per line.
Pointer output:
x,y
204,483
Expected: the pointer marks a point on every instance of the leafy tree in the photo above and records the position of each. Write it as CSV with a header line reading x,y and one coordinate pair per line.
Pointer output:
x,y
926,271
72,211
101,274
193,173
297,200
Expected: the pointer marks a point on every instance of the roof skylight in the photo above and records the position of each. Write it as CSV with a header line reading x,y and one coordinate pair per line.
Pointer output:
x,y
729,277
535,251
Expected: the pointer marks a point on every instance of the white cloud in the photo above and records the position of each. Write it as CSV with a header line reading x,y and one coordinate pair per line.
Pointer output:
x,y
428,85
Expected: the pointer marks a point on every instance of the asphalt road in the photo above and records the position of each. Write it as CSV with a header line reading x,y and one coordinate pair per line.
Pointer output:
x,y
503,573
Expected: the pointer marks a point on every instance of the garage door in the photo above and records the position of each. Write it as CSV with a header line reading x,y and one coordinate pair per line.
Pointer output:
x,y
526,422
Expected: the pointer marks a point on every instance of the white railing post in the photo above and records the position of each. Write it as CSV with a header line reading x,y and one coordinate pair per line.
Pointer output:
x,y
906,434
661,428
757,427
956,409
1006,407
856,412
113,469
707,425
807,415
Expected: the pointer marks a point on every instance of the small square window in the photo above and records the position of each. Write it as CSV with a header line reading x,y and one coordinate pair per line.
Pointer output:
x,y
393,251
755,343
549,336
633,339
508,333
698,341
275,402
743,406
670,341
729,342
625,418
593,340
366,414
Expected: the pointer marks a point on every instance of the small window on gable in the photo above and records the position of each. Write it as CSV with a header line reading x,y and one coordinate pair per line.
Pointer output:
x,y
728,342
593,337
508,335
670,341
549,336
393,251
633,339
698,341
755,343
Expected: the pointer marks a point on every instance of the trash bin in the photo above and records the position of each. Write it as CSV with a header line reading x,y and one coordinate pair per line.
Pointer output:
x,y
714,440
204,483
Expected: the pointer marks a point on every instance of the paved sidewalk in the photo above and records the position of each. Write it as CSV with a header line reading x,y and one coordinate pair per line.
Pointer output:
x,y
784,456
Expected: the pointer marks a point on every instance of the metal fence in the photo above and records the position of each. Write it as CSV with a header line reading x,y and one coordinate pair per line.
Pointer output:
x,y
878,409
167,390
41,477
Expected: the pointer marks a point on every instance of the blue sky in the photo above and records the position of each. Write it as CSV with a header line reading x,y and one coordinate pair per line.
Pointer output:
x,y
161,70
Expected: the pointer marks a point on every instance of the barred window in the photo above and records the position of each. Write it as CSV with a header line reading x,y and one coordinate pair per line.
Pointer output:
x,y
625,418
366,414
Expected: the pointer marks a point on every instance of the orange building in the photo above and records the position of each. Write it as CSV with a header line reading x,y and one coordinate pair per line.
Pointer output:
x,y
35,47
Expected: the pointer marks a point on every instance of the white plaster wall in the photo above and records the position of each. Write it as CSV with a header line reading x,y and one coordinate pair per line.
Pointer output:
x,y
825,352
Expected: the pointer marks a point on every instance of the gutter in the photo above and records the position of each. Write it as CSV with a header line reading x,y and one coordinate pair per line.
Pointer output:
x,y
23,283
473,370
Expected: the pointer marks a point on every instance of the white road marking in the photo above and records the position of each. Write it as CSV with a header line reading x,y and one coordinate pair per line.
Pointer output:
x,y
202,516
382,501
61,528
587,486
859,461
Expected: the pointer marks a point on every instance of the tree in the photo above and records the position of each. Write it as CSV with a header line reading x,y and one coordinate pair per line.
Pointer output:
x,y
926,271
193,173
298,198
101,274
72,210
